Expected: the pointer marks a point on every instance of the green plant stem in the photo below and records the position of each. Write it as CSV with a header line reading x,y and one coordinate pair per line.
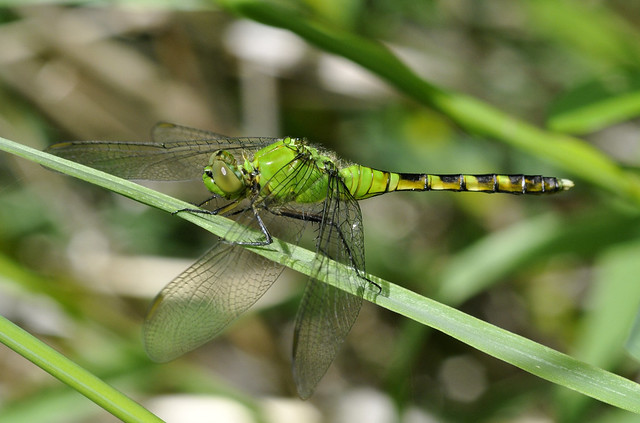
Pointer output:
x,y
72,374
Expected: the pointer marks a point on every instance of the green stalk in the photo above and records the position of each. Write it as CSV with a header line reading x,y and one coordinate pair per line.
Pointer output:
x,y
74,376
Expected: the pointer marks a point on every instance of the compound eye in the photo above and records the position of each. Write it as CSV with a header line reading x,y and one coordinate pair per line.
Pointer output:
x,y
208,172
224,178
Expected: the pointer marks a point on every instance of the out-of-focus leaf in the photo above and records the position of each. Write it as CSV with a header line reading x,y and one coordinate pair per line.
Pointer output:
x,y
590,27
495,256
611,305
597,104
633,343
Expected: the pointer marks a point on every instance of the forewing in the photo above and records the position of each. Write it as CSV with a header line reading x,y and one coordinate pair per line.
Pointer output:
x,y
198,304
177,153
326,314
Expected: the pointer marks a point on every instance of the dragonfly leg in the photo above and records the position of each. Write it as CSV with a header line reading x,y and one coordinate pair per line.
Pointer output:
x,y
235,211
317,218
268,239
214,196
219,210
201,211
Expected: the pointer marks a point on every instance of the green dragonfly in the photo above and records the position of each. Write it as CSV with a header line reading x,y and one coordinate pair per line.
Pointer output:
x,y
277,186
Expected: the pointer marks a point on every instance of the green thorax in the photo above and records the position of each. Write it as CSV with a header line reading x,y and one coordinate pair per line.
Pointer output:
x,y
294,171
286,170
290,170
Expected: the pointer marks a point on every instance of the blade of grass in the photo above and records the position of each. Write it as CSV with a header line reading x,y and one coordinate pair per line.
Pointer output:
x,y
594,30
593,116
476,267
612,302
532,357
72,374
567,152
597,103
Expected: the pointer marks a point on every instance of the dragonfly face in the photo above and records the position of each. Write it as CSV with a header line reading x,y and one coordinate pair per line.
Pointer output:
x,y
223,176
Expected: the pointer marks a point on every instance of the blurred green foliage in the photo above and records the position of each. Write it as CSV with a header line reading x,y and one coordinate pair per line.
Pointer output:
x,y
78,265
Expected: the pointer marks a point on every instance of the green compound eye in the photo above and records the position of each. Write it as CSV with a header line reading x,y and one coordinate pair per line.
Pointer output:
x,y
224,178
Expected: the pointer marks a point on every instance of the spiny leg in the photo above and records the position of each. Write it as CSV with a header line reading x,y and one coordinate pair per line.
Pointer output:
x,y
219,210
223,210
317,218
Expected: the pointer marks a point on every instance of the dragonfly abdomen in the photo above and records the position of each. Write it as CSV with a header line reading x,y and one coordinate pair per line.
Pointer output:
x,y
511,184
364,182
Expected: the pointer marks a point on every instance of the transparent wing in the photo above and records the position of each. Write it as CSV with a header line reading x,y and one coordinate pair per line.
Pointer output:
x,y
177,153
202,301
327,314
198,304
165,132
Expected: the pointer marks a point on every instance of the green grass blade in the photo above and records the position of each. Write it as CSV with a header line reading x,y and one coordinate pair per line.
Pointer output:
x,y
591,117
612,304
72,374
593,30
477,267
516,350
633,343
597,104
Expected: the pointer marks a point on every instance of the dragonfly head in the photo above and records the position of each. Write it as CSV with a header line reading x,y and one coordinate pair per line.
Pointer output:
x,y
223,177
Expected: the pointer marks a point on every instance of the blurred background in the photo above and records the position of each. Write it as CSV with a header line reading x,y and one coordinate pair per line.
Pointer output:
x,y
79,265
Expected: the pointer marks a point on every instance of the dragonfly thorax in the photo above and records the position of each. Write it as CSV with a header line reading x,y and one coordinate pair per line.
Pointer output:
x,y
223,177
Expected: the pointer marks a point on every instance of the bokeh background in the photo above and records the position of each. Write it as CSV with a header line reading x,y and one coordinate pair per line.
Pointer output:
x,y
79,265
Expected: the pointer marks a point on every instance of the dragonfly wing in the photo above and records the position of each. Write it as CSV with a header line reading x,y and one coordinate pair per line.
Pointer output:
x,y
327,314
204,299
165,132
177,153
324,319
199,303
140,160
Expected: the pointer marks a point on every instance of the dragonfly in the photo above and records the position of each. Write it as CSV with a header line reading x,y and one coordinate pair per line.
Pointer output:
x,y
270,187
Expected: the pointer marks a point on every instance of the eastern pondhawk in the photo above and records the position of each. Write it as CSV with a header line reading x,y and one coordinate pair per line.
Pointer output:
x,y
258,182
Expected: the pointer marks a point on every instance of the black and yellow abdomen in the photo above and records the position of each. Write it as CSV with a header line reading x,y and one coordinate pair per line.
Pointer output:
x,y
364,182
